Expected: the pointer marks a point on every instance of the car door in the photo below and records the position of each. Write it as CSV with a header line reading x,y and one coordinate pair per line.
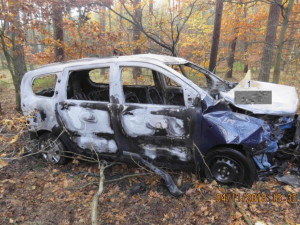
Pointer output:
x,y
150,126
84,108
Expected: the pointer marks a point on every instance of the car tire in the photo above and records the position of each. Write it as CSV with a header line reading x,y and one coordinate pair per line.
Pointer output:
x,y
52,149
229,167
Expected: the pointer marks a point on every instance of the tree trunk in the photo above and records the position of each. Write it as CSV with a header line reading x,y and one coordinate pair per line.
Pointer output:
x,y
109,20
150,43
59,53
230,60
20,70
15,56
2,61
136,30
216,36
137,34
266,60
246,67
276,74
290,47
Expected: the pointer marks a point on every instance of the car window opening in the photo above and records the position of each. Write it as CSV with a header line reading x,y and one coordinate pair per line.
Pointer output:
x,y
147,86
44,85
92,84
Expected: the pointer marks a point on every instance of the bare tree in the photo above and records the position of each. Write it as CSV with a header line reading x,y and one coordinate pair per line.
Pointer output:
x,y
266,60
276,75
216,35
177,23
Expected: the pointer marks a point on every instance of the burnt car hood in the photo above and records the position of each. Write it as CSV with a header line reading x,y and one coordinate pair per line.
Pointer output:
x,y
284,98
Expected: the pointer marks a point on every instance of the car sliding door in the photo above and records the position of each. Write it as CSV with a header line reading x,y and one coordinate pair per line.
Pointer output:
x,y
148,124
84,109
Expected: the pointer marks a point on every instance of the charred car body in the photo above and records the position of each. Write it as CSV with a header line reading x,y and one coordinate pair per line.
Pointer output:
x,y
147,107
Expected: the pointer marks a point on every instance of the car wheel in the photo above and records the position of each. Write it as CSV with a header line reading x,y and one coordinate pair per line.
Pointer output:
x,y
230,167
52,149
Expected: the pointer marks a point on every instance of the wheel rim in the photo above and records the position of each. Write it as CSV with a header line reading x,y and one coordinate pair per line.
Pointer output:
x,y
50,151
226,170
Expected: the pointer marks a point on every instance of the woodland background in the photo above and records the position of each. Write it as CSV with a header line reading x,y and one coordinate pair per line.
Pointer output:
x,y
228,37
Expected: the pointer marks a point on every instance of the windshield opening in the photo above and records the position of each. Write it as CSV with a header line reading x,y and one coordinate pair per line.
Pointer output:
x,y
194,75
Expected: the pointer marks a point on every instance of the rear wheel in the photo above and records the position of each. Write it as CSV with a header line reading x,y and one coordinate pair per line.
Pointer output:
x,y
230,167
52,149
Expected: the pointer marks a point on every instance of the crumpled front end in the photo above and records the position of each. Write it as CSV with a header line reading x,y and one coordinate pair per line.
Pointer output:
x,y
260,138
284,99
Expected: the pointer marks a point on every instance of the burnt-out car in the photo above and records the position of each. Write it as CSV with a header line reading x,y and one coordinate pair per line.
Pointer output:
x,y
163,111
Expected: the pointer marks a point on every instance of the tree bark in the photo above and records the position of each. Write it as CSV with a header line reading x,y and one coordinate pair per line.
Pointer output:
x,y
246,67
14,55
150,43
230,60
266,60
276,74
2,61
136,35
59,53
216,36
136,31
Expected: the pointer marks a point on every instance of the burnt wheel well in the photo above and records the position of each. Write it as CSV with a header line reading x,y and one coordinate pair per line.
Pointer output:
x,y
41,132
235,147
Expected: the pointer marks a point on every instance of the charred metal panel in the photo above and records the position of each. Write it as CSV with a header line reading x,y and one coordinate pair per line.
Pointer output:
x,y
141,122
39,109
87,124
153,152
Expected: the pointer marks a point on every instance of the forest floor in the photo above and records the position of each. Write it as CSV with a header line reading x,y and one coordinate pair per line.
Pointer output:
x,y
34,192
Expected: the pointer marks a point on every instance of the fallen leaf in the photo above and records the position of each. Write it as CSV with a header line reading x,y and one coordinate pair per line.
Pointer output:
x,y
14,139
3,163
21,152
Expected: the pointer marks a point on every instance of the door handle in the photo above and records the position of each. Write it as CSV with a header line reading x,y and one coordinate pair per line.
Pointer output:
x,y
89,117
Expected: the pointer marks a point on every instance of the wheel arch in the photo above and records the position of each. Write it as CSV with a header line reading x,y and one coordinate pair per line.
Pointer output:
x,y
42,131
238,148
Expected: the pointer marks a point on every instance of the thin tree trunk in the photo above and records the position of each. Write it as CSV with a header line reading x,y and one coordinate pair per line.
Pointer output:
x,y
136,30
230,60
103,30
266,60
216,36
121,20
2,61
246,66
150,43
15,56
57,17
109,20
291,47
276,74
137,34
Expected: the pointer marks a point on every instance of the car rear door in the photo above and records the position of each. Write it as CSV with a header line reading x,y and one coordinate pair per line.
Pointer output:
x,y
84,107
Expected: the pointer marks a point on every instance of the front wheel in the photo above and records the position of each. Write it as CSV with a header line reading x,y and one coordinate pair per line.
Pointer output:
x,y
230,167
52,149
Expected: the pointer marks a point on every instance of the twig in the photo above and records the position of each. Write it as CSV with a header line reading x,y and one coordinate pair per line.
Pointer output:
x,y
242,211
97,195
203,158
127,176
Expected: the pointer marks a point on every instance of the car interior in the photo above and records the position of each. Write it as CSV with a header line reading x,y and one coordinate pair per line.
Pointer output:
x,y
84,85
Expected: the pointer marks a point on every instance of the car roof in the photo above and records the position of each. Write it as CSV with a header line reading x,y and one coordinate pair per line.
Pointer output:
x,y
60,66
